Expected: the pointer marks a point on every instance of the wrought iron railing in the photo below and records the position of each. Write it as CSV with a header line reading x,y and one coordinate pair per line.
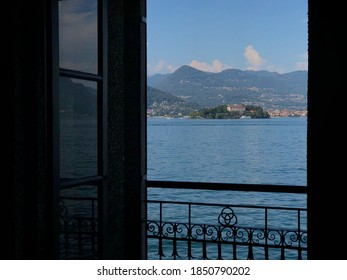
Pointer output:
x,y
78,224
198,230
184,227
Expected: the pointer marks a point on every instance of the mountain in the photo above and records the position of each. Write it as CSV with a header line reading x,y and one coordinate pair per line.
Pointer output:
x,y
154,80
81,100
157,96
270,90
77,98
161,103
188,89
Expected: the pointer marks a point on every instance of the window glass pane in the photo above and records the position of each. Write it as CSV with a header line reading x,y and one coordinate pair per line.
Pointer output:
x,y
78,128
78,35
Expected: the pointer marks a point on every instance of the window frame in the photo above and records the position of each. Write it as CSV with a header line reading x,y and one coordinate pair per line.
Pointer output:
x,y
100,78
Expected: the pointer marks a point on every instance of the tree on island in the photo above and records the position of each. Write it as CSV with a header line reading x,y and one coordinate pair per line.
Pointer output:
x,y
222,112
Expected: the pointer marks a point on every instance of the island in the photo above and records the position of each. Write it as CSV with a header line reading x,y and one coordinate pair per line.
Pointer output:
x,y
231,111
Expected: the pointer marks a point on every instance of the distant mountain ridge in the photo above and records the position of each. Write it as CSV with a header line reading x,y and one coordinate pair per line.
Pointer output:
x,y
189,89
77,98
161,103
270,90
156,79
81,100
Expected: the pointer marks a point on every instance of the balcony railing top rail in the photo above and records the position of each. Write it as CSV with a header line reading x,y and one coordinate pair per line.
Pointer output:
x,y
227,186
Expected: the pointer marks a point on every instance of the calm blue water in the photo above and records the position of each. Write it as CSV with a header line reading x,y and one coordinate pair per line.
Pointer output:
x,y
261,151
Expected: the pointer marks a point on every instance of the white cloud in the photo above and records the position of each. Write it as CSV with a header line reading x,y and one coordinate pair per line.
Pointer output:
x,y
254,59
215,66
161,67
256,62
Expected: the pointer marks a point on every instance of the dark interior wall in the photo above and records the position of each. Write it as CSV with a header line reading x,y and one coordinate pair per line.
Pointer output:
x,y
31,206
326,140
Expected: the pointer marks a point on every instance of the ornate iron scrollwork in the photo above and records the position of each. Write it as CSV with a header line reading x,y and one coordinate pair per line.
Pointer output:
x,y
199,240
227,217
78,234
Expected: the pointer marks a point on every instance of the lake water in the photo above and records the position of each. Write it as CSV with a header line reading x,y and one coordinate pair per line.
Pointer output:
x,y
250,151
259,151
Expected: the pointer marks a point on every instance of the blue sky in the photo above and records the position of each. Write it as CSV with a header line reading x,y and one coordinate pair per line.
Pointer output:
x,y
213,35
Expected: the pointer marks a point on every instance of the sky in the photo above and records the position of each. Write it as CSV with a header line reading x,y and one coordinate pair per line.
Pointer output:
x,y
78,35
213,35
